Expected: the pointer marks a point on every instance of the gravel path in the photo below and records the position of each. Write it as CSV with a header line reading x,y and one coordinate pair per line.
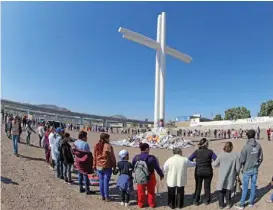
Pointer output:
x,y
27,182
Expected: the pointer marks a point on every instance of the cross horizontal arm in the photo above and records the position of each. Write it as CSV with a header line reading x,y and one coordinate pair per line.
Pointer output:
x,y
178,55
140,40
148,42
130,33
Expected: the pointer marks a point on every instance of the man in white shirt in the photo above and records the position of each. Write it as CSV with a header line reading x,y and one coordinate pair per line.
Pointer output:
x,y
177,166
51,145
41,133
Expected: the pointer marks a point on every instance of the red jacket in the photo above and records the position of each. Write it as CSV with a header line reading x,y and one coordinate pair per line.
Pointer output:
x,y
83,161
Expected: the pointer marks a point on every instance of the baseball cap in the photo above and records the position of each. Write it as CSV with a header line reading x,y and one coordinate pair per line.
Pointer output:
x,y
59,130
123,153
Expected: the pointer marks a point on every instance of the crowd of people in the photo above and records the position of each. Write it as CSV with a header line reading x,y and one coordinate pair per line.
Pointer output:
x,y
223,133
63,154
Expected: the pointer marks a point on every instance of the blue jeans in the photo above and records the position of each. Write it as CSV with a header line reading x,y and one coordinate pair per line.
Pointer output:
x,y
104,176
59,168
86,181
15,143
251,174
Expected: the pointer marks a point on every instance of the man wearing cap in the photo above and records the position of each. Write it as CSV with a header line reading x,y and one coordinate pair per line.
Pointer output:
x,y
56,150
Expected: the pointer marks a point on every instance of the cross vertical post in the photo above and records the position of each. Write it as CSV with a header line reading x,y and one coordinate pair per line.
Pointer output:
x,y
157,74
162,67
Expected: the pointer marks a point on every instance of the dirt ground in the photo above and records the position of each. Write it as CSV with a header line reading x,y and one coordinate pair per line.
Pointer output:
x,y
27,182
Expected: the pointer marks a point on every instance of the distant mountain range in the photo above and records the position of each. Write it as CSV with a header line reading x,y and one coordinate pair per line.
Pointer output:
x,y
53,107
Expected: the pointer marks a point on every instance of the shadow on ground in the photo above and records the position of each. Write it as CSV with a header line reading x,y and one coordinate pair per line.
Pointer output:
x,y
32,158
8,181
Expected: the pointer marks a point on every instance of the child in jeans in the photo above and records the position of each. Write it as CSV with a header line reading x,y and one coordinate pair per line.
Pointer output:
x,y
125,179
271,197
66,156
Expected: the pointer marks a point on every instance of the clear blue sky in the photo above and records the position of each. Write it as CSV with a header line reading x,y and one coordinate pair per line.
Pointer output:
x,y
70,54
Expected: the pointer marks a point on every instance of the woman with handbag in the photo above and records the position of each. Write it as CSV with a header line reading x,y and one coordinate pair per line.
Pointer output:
x,y
229,167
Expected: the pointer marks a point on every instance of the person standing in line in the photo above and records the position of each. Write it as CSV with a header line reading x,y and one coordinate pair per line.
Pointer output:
x,y
83,161
268,134
28,132
229,132
250,159
46,144
125,179
6,124
66,156
215,133
177,166
258,133
203,171
229,167
152,166
20,128
11,119
15,135
41,133
51,145
56,150
104,163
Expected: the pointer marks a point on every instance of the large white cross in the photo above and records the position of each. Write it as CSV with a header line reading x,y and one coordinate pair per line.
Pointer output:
x,y
160,67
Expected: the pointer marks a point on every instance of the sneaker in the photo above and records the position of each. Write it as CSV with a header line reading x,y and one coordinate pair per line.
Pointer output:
x,y
250,205
82,190
65,180
228,207
61,177
126,204
239,206
122,203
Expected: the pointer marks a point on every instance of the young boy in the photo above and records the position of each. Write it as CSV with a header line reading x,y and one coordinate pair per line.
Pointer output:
x,y
125,179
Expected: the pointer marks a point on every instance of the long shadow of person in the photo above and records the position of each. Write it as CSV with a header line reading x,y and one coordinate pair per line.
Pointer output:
x,y
260,193
6,180
32,158
162,199
32,145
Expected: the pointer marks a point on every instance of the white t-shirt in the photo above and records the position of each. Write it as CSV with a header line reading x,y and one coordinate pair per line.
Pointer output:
x,y
41,131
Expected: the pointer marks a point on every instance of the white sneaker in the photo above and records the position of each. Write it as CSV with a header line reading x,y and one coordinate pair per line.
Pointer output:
x,y
122,203
126,204
250,205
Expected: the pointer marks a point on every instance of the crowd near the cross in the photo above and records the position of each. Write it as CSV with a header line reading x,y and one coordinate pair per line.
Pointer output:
x,y
63,153
223,133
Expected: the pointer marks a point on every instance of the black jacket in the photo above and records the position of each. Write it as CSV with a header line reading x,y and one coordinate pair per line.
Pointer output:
x,y
66,154
203,158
